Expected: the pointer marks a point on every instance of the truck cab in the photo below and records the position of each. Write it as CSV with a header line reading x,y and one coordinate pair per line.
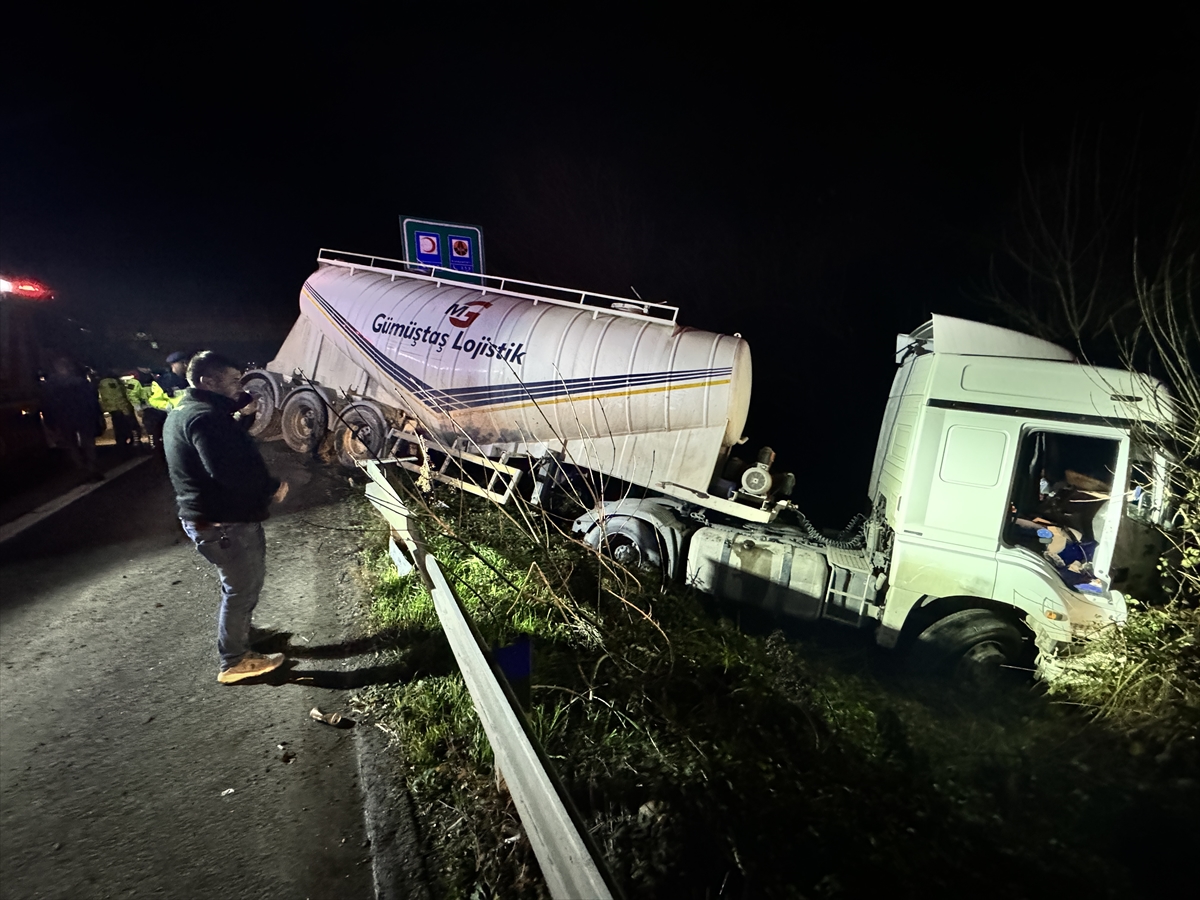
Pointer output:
x,y
1003,474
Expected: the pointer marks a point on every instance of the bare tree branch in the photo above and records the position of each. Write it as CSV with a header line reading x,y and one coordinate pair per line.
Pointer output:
x,y
1069,290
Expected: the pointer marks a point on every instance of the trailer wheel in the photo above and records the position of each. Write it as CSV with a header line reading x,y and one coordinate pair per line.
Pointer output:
x,y
303,420
360,434
260,388
971,646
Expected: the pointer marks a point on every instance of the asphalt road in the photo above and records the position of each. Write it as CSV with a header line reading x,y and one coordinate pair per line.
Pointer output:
x,y
126,770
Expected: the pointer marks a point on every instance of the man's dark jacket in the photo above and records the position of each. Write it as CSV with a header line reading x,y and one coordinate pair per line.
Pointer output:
x,y
215,466
70,403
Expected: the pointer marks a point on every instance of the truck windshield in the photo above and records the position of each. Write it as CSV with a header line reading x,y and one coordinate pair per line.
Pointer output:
x,y
1149,486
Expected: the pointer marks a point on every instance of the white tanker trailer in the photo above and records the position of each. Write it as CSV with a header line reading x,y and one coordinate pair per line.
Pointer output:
x,y
1005,477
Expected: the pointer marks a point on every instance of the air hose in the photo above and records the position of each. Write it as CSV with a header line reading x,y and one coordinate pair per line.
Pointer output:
x,y
849,538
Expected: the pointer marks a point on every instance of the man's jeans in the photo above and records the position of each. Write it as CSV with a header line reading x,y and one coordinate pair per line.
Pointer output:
x,y
239,551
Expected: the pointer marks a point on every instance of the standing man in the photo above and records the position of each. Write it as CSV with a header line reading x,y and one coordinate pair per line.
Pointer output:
x,y
115,402
71,410
138,393
223,490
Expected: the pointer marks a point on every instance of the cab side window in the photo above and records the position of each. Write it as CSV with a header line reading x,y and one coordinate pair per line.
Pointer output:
x,y
1060,480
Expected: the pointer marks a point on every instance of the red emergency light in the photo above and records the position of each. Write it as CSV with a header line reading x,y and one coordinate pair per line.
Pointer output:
x,y
26,288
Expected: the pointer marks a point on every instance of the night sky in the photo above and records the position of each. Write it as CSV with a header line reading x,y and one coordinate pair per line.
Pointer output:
x,y
817,187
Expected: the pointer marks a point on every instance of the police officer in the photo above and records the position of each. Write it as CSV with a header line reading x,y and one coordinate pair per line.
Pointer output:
x,y
165,393
137,389
175,378
115,401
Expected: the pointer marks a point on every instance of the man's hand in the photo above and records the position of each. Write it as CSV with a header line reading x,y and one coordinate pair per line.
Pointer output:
x,y
278,496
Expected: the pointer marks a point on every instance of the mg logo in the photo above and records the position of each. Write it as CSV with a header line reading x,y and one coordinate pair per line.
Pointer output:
x,y
462,316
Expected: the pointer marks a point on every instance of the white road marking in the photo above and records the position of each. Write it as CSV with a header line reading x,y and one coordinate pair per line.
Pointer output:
x,y
15,527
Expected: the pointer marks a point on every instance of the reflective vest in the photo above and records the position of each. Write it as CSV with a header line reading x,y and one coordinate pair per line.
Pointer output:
x,y
160,399
113,397
137,393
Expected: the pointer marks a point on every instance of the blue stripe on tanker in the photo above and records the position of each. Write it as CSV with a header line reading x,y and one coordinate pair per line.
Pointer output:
x,y
492,395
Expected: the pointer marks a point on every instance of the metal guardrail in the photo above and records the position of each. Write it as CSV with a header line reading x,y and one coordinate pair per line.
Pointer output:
x,y
495,284
569,861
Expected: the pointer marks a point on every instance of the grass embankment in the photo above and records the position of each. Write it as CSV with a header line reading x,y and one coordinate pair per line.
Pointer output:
x,y
712,761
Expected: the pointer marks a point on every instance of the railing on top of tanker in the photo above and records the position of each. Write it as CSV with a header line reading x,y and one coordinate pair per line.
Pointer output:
x,y
496,284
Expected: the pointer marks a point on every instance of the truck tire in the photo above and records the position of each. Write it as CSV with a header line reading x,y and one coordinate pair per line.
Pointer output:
x,y
971,646
360,434
302,421
265,425
633,544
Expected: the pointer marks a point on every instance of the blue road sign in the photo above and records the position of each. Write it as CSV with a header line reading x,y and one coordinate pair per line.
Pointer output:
x,y
428,247
445,244
461,257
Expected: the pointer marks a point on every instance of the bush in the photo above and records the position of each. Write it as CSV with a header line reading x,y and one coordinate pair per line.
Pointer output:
x,y
1144,678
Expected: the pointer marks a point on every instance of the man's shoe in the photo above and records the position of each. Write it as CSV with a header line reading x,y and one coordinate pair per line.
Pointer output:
x,y
250,666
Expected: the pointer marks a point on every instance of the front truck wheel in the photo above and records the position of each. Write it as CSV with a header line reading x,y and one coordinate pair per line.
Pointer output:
x,y
971,646
631,543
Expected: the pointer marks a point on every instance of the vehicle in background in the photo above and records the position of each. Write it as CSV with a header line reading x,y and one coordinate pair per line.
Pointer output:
x,y
22,360
1005,474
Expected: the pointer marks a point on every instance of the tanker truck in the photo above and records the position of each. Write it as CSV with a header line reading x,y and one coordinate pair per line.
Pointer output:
x,y
1007,475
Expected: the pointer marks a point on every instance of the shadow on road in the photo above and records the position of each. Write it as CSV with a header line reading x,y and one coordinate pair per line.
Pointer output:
x,y
428,654
281,642
391,673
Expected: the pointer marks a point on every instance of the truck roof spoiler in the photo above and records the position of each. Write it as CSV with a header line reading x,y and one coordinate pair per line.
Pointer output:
x,y
962,337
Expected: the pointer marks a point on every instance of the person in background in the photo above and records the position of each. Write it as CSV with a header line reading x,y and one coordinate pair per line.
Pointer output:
x,y
175,378
115,401
71,410
137,389
224,492
166,392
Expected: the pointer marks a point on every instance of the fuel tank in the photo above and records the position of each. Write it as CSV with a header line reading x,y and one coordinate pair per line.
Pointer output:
x,y
623,393
759,566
